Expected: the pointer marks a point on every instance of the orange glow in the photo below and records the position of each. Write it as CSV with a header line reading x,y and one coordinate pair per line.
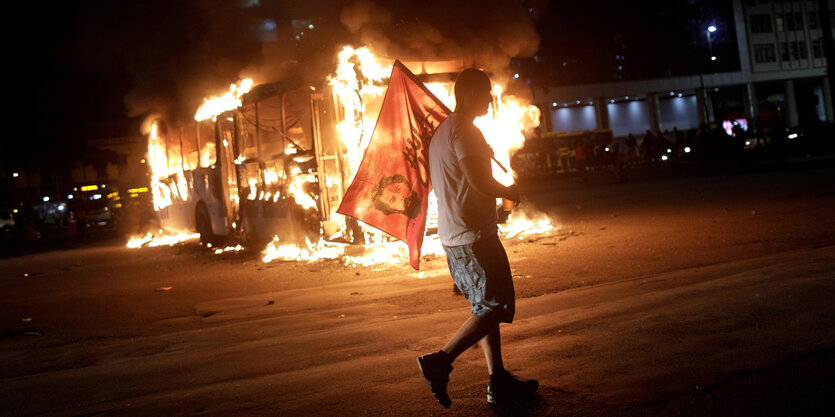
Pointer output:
x,y
213,106
359,84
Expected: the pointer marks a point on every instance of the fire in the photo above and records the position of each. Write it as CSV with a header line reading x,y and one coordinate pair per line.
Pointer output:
x,y
167,179
395,252
522,227
149,240
296,189
160,168
167,169
214,106
236,248
503,128
311,252
358,84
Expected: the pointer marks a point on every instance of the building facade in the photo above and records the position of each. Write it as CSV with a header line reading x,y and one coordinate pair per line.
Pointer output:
x,y
782,75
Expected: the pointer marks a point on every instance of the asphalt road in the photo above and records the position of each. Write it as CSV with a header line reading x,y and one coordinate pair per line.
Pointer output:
x,y
701,295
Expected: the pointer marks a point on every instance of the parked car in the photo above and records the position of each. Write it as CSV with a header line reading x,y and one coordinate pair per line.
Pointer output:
x,y
7,224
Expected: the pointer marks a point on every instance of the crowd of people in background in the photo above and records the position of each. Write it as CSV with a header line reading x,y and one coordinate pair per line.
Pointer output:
x,y
711,148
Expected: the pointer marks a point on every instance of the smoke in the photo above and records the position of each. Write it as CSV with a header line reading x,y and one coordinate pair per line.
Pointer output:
x,y
190,50
178,52
485,34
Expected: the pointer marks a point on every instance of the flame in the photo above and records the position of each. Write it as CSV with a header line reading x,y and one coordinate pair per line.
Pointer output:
x,y
520,226
296,189
150,240
168,178
160,168
359,84
214,106
395,252
236,248
311,252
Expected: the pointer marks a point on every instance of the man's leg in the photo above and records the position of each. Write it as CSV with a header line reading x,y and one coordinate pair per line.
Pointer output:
x,y
472,331
436,367
490,341
491,344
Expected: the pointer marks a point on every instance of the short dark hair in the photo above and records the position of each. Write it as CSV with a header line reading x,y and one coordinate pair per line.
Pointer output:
x,y
469,80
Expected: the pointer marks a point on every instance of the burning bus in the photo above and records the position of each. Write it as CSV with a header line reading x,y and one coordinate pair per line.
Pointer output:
x,y
267,167
271,162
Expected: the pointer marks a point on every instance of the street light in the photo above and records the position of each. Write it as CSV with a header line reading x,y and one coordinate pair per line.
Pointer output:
x,y
703,93
710,29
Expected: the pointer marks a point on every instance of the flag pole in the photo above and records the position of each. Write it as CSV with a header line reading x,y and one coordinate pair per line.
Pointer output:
x,y
499,164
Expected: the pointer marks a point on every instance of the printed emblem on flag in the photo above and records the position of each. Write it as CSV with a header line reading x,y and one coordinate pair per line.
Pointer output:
x,y
393,195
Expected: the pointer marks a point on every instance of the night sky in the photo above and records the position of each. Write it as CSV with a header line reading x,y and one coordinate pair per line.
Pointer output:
x,y
84,62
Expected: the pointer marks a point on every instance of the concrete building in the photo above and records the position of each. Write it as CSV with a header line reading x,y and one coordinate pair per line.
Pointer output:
x,y
782,74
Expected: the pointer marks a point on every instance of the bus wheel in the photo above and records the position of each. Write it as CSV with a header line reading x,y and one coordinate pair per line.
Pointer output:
x,y
204,225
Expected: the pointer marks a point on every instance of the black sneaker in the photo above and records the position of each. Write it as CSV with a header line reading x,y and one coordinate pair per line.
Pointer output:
x,y
436,368
505,387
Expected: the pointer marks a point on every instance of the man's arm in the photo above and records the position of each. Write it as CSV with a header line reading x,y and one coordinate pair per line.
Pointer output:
x,y
480,176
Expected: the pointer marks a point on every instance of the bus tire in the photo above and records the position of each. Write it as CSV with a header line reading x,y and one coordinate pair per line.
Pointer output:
x,y
203,224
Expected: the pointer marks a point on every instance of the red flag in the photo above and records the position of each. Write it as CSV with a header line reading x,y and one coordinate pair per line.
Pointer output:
x,y
392,185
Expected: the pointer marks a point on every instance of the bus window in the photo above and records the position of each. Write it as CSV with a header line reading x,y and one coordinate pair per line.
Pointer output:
x,y
189,135
331,144
274,177
253,181
297,118
246,131
270,127
226,153
331,155
171,183
172,149
206,139
226,128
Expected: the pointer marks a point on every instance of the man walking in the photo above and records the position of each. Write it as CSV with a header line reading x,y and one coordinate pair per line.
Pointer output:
x,y
459,164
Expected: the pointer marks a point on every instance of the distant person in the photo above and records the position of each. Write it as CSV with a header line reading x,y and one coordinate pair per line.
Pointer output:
x,y
678,137
619,165
631,148
648,146
564,153
580,159
459,164
662,143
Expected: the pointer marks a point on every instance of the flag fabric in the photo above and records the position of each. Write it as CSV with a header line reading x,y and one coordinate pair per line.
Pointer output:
x,y
391,188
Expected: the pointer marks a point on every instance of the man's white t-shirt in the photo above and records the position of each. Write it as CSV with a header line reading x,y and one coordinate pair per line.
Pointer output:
x,y
464,214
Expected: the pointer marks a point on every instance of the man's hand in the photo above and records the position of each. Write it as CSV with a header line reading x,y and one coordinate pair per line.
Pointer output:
x,y
478,174
512,193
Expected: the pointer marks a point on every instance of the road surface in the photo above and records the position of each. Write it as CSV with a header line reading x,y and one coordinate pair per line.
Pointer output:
x,y
677,296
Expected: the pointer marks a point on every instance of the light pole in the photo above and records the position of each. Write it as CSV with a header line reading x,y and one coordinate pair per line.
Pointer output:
x,y
710,29
703,96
